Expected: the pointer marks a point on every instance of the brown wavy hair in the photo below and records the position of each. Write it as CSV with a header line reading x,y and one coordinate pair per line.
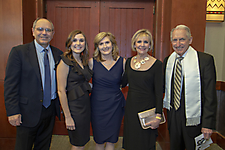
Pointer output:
x,y
98,39
68,53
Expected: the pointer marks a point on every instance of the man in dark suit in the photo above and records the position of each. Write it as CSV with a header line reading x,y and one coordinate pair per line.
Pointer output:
x,y
30,88
190,91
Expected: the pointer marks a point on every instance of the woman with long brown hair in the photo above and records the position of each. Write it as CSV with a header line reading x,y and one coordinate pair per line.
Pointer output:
x,y
73,75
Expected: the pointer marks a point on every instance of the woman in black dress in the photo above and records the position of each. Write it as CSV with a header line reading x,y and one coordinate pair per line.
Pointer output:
x,y
73,75
143,73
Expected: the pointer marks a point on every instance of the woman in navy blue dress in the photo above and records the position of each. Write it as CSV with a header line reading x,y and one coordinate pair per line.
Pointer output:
x,y
107,100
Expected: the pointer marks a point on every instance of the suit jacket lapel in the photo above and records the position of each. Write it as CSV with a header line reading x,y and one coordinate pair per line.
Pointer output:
x,y
34,60
54,54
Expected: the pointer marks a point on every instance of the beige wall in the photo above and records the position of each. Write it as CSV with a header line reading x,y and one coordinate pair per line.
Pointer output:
x,y
215,45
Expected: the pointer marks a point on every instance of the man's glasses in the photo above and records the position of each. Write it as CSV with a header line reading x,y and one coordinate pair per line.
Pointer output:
x,y
46,29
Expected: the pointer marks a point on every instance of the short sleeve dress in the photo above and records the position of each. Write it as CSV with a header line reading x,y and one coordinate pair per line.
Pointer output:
x,y
107,102
78,90
145,92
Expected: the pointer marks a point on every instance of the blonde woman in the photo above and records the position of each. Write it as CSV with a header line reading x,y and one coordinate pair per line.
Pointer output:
x,y
107,100
144,75
73,75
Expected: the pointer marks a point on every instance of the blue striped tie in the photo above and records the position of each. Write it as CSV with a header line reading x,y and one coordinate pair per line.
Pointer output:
x,y
177,83
47,87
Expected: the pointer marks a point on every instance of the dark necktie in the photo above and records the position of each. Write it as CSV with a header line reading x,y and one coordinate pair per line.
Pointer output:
x,y
177,83
47,87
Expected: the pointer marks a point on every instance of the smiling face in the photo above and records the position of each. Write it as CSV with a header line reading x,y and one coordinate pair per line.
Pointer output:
x,y
78,44
142,45
105,46
43,32
180,41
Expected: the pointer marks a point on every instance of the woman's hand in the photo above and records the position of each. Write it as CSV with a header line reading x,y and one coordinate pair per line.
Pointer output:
x,y
155,123
70,125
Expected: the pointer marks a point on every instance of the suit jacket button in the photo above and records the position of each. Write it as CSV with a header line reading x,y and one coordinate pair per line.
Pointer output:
x,y
41,100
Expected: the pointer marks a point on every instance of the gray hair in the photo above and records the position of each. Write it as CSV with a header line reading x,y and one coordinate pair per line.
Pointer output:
x,y
35,22
181,27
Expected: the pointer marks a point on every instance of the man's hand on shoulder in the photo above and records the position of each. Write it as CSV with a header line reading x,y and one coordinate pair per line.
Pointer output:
x,y
15,120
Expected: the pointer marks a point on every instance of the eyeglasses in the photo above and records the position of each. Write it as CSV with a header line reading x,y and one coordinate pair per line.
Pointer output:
x,y
42,29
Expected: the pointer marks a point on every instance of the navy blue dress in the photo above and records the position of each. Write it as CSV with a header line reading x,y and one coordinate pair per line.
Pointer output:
x,y
107,102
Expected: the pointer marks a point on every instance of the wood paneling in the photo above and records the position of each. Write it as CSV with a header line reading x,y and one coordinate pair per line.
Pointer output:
x,y
6,130
7,143
11,35
123,19
29,15
220,120
162,28
169,14
72,15
193,14
10,29
220,85
219,139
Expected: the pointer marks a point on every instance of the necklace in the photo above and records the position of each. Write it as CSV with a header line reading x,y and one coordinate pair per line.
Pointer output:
x,y
137,64
107,64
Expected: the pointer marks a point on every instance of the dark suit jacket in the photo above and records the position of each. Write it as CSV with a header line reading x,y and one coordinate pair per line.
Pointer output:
x,y
208,90
23,89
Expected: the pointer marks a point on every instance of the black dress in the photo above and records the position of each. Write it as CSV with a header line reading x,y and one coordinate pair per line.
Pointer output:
x,y
78,90
145,92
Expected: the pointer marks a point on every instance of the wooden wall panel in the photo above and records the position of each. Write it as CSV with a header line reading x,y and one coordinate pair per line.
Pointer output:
x,y
220,112
6,130
11,35
170,13
72,15
163,28
29,15
10,29
123,19
194,16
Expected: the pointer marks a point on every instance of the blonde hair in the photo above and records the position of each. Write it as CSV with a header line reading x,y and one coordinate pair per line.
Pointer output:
x,y
68,53
142,32
98,39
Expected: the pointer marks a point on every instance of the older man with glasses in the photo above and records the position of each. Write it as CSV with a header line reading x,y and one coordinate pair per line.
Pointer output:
x,y
190,91
30,88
